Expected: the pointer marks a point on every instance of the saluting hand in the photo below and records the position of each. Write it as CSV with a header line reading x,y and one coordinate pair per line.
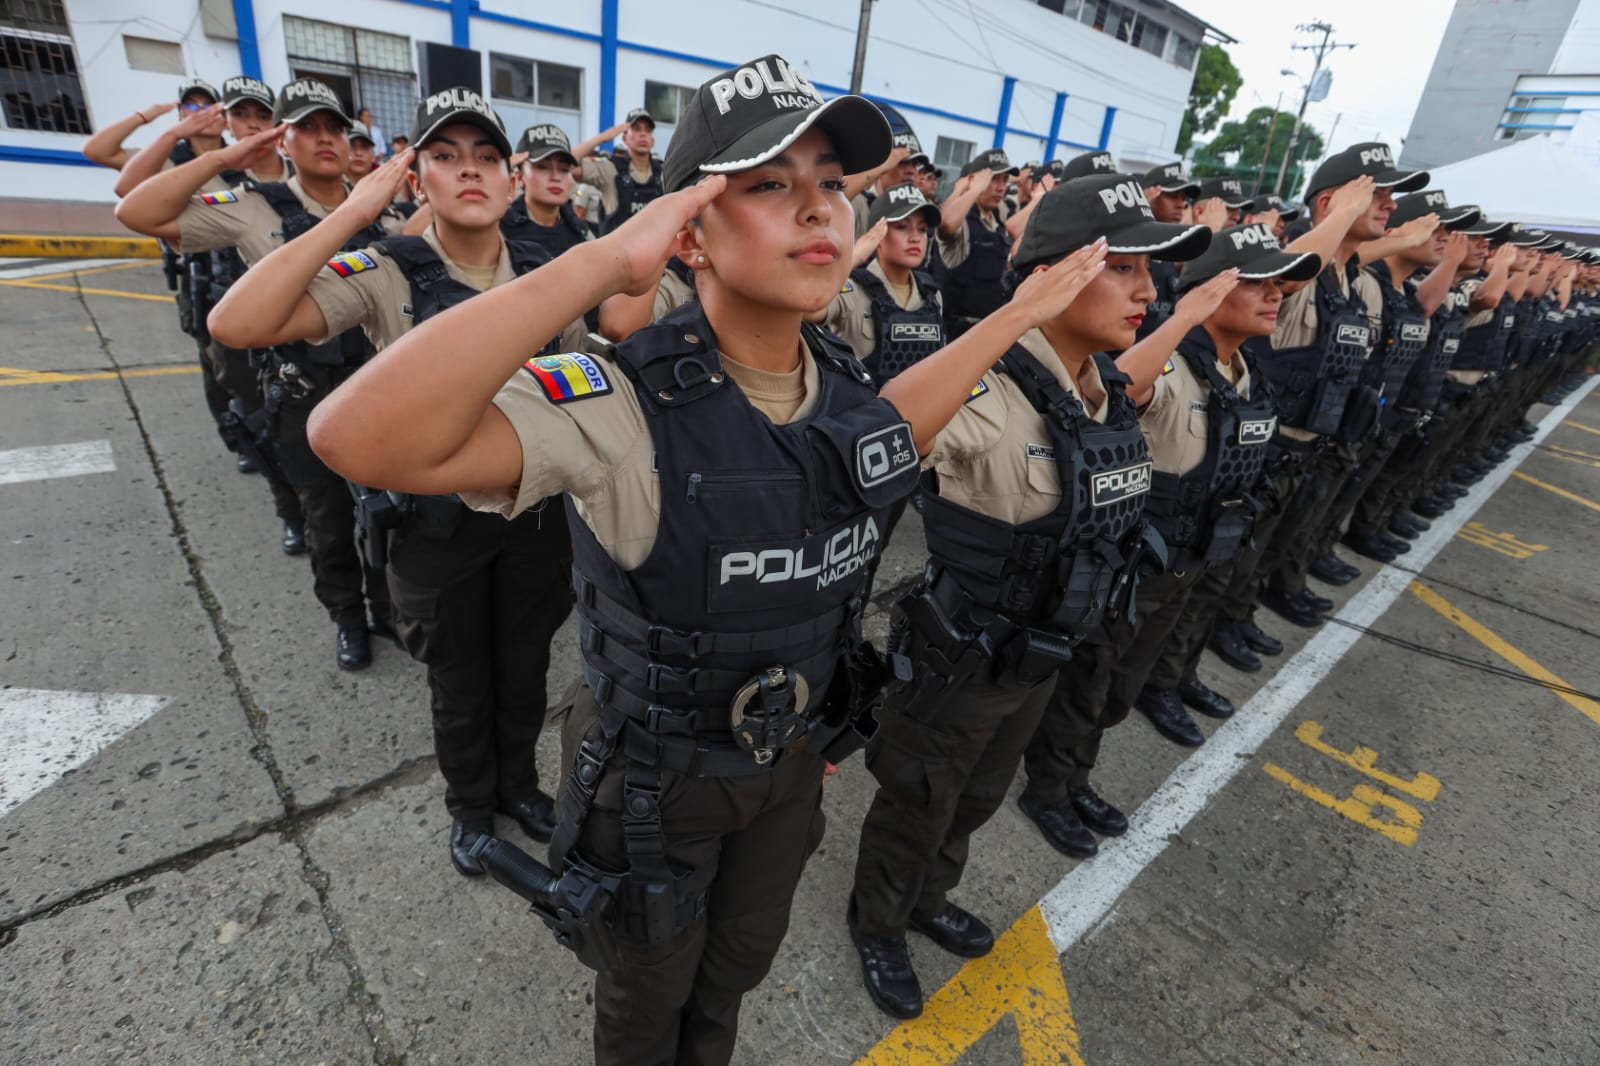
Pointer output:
x,y
1353,197
155,111
1200,302
1503,256
1418,231
1211,213
254,148
641,246
373,193
1044,294
197,121
1456,246
868,242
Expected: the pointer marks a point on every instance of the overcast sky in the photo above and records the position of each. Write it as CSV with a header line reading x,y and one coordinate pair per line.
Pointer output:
x,y
1376,85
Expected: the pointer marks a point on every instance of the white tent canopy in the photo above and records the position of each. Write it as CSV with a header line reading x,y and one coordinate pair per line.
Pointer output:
x,y
1533,181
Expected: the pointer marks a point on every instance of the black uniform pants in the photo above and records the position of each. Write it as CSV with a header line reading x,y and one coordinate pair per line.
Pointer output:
x,y
678,1002
1180,655
943,765
1277,493
1159,608
339,574
1067,741
479,607
1371,456
1293,544
229,376
1446,433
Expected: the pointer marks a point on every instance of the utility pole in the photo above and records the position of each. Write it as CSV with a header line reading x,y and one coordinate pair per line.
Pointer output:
x,y
1261,171
1321,48
860,65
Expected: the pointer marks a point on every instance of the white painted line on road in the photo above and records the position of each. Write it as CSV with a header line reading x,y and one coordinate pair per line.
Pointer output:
x,y
56,267
44,734
56,460
1087,894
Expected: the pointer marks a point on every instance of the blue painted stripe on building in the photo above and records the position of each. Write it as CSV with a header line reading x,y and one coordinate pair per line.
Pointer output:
x,y
609,21
17,153
1055,127
1531,126
244,18
461,23
1105,128
1002,120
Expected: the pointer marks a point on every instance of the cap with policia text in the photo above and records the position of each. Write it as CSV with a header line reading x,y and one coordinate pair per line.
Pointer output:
x,y
1267,202
459,104
359,132
908,140
640,114
1113,206
542,142
239,88
303,96
1255,252
1495,231
1170,178
745,116
196,85
1053,168
994,159
1229,190
901,202
1434,202
1081,166
1367,159
1523,237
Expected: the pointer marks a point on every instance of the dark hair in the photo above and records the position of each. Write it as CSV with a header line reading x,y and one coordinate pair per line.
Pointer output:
x,y
1018,273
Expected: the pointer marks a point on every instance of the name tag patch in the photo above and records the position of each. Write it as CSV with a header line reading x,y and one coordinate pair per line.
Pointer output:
x,y
1257,432
567,377
744,576
915,331
347,263
884,454
1114,486
1041,451
1354,335
215,198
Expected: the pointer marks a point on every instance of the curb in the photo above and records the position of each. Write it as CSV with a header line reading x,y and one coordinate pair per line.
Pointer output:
x,y
45,246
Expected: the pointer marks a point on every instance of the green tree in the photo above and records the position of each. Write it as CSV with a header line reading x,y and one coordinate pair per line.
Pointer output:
x,y
1216,83
1240,147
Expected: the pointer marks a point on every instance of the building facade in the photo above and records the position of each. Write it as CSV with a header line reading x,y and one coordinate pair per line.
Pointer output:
x,y
1042,80
1507,69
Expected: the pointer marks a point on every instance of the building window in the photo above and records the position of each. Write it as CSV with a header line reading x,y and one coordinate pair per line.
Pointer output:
x,y
666,104
949,152
158,57
39,84
1149,35
1185,50
366,68
530,92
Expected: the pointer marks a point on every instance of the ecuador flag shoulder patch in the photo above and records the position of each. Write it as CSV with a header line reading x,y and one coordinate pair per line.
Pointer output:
x,y
216,198
569,376
346,263
1167,368
977,390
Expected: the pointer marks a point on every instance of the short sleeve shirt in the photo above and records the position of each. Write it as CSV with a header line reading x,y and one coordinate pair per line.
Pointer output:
x,y
241,218
1175,421
850,313
1297,322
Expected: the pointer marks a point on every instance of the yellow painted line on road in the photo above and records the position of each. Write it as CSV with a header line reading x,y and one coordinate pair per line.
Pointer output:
x,y
1572,455
12,376
74,289
1580,425
44,246
1495,643
77,273
1021,977
1573,496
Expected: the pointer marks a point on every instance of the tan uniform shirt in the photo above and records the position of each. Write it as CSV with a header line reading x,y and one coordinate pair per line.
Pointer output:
x,y
601,172
599,450
1175,422
996,457
672,292
378,297
1297,322
954,250
1476,318
216,184
850,313
242,219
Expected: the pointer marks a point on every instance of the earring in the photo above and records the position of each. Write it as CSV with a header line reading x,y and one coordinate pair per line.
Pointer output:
x,y
700,259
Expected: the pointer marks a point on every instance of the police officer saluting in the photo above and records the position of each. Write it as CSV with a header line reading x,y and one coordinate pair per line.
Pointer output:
x,y
975,253
476,598
729,470
1230,191
543,213
631,176
1169,193
254,219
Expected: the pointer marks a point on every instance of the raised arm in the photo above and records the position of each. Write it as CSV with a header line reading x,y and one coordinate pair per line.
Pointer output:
x,y
929,394
1143,361
269,305
149,160
1402,238
953,212
1432,289
1019,221
153,208
1348,203
586,148
413,422
1495,281
105,147
855,184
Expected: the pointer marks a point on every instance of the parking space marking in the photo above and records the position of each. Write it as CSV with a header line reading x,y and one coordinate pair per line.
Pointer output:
x,y
1513,655
14,376
166,298
1083,898
1504,543
51,271
1020,977
1580,425
1404,819
1573,455
56,461
1574,497
44,734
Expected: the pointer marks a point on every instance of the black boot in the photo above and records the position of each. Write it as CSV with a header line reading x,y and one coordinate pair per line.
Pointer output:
x,y
1062,827
352,647
1291,609
958,931
1095,812
1203,699
1256,640
294,538
886,971
462,836
1232,649
1161,706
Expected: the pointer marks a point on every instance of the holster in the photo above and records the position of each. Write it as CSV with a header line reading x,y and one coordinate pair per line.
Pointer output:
x,y
251,435
377,514
434,517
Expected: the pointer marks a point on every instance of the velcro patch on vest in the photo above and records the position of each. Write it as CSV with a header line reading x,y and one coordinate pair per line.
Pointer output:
x,y
1258,431
1041,451
217,198
1167,368
884,454
567,377
1361,335
1114,486
347,263
1451,345
916,331
977,390
777,573
1414,331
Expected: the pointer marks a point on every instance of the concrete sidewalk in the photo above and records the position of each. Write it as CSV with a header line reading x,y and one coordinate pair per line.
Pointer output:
x,y
71,228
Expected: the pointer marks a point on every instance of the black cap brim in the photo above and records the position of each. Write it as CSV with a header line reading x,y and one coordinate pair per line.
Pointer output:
x,y
1288,214
545,153
1160,240
905,211
1460,219
1188,188
291,117
1402,180
1485,228
859,132
473,118
1282,266
240,97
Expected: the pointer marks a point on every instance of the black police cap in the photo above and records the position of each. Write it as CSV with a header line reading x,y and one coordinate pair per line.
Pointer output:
x,y
1079,211
1255,252
1367,159
1434,202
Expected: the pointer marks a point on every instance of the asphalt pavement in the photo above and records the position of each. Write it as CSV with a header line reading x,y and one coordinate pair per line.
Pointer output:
x,y
216,847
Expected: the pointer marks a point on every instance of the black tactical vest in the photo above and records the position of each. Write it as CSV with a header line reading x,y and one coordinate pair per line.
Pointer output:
x,y
904,338
632,194
568,232
1058,572
1404,339
763,548
1206,515
1484,346
1425,383
1165,276
1314,383
972,289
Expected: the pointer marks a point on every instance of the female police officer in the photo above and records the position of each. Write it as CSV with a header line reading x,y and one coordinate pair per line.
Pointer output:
x,y
729,471
1033,525
477,599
